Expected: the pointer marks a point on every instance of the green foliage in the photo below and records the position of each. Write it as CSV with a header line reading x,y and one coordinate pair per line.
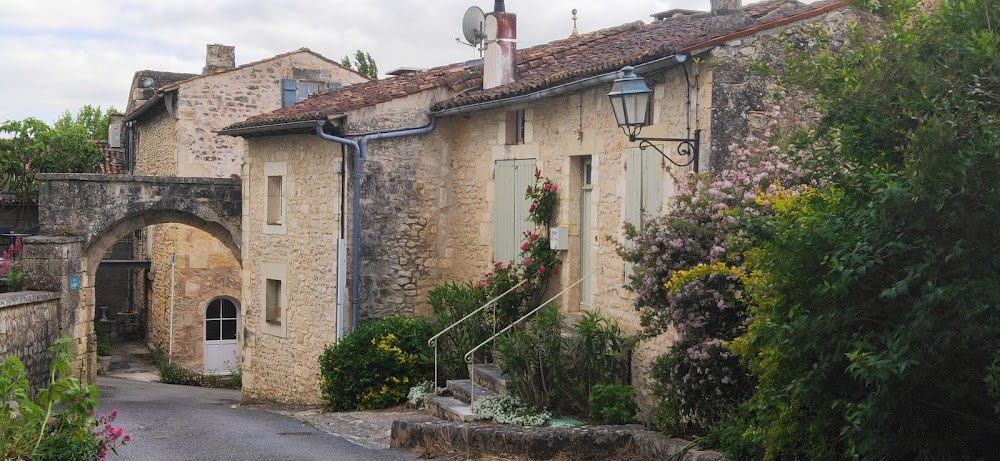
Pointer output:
x,y
612,404
29,147
171,373
59,424
363,63
157,356
549,370
104,349
507,409
875,318
451,303
91,120
374,366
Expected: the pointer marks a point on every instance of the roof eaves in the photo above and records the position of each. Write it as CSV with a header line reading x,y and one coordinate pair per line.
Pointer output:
x,y
143,109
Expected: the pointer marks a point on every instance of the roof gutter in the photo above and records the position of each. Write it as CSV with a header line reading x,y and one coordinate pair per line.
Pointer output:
x,y
269,129
135,115
665,62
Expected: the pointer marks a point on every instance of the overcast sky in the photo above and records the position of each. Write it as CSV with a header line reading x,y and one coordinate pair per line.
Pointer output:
x,y
58,55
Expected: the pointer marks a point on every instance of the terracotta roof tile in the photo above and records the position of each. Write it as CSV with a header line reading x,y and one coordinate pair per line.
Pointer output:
x,y
550,64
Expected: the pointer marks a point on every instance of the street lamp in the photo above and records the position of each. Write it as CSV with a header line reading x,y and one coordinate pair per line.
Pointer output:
x,y
630,100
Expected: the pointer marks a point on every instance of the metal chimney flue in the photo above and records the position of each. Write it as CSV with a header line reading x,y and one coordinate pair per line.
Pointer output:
x,y
498,6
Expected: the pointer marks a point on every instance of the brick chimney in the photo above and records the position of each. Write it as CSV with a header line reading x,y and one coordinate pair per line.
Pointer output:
x,y
499,60
219,57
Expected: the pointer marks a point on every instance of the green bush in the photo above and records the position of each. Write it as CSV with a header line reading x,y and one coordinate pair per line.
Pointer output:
x,y
451,303
375,366
551,371
612,404
104,349
171,373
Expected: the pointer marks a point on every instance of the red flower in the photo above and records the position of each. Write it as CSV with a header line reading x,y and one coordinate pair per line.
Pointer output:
x,y
555,271
541,268
554,187
545,186
531,209
527,261
481,284
525,246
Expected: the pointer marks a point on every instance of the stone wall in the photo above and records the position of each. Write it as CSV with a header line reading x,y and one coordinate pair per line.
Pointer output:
x,y
156,144
29,325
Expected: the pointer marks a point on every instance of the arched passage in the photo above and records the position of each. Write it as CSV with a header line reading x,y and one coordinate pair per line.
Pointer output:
x,y
82,216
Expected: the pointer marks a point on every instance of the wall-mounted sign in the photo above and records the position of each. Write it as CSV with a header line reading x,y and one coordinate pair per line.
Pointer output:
x,y
74,282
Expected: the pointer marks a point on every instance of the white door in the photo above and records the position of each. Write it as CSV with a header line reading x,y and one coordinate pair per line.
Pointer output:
x,y
586,234
221,346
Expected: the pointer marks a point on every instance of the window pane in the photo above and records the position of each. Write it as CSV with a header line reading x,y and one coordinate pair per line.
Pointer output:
x,y
228,309
229,329
213,329
213,310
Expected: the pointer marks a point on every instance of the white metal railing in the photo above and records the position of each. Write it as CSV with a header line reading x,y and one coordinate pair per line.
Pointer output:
x,y
433,342
469,356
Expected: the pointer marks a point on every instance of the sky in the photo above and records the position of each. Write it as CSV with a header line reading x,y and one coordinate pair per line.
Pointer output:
x,y
57,55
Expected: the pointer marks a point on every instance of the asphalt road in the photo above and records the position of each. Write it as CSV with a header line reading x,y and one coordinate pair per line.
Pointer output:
x,y
170,422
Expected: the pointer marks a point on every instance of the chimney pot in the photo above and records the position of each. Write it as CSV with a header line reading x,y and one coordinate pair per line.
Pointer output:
x,y
498,6
219,57
499,59
723,7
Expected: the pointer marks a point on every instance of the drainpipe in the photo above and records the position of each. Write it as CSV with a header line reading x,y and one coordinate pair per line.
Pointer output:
x,y
360,154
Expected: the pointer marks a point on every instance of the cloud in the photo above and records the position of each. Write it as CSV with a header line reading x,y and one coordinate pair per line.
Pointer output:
x,y
59,55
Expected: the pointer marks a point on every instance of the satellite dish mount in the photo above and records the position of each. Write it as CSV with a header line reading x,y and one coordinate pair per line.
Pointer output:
x,y
473,28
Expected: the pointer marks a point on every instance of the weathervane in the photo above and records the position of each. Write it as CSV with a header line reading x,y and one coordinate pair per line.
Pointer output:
x,y
575,31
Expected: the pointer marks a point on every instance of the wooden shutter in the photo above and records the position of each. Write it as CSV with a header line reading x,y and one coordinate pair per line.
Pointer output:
x,y
289,88
633,195
510,211
652,182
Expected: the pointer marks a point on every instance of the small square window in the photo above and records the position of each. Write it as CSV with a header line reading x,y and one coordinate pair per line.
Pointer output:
x,y
272,301
515,127
275,201
305,89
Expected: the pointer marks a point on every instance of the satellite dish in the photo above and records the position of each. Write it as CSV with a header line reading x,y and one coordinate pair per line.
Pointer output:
x,y
473,24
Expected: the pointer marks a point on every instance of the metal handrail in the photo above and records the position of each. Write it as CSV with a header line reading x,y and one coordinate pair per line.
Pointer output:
x,y
469,357
434,343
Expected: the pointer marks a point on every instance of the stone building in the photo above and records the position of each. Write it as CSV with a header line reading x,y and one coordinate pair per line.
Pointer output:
x,y
170,130
442,206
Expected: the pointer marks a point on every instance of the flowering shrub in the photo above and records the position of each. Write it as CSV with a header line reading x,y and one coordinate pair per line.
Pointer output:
x,y
61,423
507,409
688,272
12,266
543,200
375,365
416,395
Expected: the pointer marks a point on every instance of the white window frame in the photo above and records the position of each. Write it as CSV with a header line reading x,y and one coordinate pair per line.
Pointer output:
x,y
276,170
276,272
303,87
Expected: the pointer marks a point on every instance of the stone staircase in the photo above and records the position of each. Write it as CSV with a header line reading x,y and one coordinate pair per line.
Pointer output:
x,y
452,402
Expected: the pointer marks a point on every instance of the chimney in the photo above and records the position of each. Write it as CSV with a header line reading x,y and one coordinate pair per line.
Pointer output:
x,y
219,57
499,61
723,7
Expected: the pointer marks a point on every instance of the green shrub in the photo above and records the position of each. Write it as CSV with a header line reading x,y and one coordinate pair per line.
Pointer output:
x,y
612,404
157,356
374,366
451,303
104,349
171,373
551,371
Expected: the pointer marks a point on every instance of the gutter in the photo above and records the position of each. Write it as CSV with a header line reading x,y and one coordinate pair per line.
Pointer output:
x,y
360,154
143,108
269,129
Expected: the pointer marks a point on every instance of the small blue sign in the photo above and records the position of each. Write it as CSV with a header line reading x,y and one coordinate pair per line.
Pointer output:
x,y
74,282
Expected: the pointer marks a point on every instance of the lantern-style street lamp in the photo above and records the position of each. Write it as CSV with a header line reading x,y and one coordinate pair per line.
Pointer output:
x,y
630,100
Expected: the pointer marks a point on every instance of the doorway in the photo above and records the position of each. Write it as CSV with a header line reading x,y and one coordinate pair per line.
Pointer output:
x,y
221,344
586,231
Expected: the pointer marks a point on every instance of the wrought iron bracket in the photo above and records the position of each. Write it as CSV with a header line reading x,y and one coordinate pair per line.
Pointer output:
x,y
686,147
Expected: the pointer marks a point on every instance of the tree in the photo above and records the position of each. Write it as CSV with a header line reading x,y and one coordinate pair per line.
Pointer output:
x,y
90,119
30,146
363,63
875,320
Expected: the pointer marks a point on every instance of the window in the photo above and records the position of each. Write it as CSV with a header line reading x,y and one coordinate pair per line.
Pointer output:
x,y
272,301
515,127
304,89
510,212
275,207
644,187
275,197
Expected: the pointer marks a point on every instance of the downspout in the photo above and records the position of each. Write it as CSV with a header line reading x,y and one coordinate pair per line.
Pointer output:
x,y
360,154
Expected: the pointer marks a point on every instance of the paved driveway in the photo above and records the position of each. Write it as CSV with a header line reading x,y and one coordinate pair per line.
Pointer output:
x,y
169,422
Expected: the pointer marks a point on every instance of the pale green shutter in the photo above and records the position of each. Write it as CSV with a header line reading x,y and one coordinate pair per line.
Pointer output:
x,y
503,211
633,194
510,217
652,182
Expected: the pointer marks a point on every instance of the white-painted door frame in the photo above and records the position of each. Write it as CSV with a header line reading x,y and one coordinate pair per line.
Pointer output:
x,y
226,349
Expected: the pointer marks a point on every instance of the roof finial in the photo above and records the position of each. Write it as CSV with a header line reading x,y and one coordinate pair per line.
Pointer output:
x,y
575,31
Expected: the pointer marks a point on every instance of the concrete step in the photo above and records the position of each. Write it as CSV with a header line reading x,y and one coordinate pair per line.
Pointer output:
x,y
448,408
462,389
491,377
